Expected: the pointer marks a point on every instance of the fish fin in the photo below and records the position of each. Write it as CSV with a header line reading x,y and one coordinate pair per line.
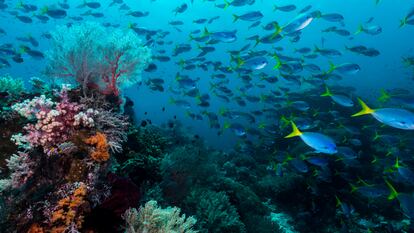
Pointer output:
x,y
338,201
222,111
44,10
191,37
177,76
235,18
403,22
365,109
257,42
385,96
393,192
376,136
261,125
316,49
226,4
240,62
397,163
206,32
278,62
171,100
353,188
327,92
359,30
295,131
332,67
278,30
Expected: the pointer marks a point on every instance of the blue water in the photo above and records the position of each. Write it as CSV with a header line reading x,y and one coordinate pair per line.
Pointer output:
x,y
384,71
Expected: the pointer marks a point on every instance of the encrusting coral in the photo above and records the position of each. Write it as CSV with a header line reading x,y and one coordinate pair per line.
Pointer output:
x,y
101,152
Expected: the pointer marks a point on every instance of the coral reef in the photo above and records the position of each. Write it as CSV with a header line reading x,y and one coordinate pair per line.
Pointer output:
x,y
153,219
101,151
93,57
13,86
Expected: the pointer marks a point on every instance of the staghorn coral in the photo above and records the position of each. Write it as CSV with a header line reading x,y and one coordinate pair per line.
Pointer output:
x,y
90,56
101,152
153,219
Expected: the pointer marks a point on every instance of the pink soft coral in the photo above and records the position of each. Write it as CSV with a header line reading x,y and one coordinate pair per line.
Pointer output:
x,y
55,122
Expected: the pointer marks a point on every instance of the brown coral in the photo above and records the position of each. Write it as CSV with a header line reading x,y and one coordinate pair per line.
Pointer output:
x,y
101,152
68,211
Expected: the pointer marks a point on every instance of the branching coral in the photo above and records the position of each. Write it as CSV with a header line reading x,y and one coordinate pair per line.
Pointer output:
x,y
153,219
101,152
215,211
21,167
68,211
55,121
94,57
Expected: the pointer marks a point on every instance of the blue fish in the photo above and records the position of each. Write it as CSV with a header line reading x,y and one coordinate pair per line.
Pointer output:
x,y
394,117
321,143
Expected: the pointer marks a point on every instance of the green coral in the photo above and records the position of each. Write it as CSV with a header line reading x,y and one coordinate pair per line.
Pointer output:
x,y
13,86
215,212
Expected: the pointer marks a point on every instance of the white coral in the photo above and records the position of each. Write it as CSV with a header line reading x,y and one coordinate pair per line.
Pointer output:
x,y
153,219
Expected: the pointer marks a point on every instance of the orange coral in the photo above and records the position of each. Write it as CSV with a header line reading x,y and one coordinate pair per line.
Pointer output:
x,y
101,152
68,211
35,228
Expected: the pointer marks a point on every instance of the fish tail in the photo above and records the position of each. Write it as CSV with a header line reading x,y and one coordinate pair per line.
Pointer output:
x,y
397,163
332,67
206,32
191,37
295,131
403,22
360,29
235,18
257,42
275,8
222,111
376,136
353,188
365,109
171,100
393,192
338,201
44,10
226,4
278,30
226,125
327,92
385,96
278,62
